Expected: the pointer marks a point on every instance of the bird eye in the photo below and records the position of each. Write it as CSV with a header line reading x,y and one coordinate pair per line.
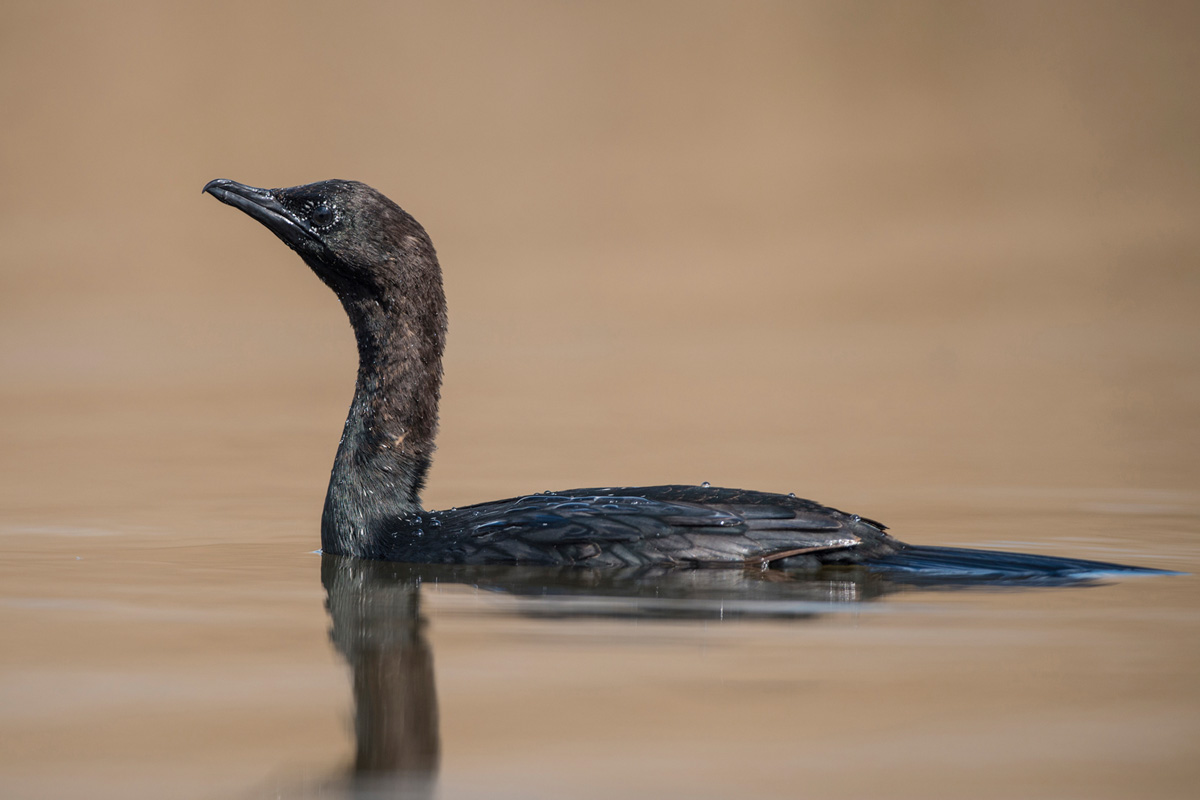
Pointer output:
x,y
322,215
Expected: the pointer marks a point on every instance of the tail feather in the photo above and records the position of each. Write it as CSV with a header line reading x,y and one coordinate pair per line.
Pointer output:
x,y
942,563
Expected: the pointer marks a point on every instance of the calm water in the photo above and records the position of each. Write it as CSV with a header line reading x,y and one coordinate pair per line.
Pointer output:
x,y
181,646
936,265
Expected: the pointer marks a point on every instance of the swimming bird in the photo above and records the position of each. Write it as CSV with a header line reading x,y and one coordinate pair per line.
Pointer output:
x,y
381,264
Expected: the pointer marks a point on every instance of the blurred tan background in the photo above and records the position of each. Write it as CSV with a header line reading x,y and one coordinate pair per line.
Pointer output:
x,y
848,249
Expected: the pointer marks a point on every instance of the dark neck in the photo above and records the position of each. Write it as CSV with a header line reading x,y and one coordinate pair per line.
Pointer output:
x,y
388,440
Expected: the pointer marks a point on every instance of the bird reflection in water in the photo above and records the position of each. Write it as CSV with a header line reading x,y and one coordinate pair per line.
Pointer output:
x,y
378,627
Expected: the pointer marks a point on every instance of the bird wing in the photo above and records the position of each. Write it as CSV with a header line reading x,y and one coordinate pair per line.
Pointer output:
x,y
638,526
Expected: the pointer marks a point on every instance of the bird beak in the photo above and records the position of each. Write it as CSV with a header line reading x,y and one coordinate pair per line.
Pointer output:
x,y
264,207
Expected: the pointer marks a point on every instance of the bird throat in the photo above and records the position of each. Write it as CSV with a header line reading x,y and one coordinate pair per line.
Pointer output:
x,y
388,439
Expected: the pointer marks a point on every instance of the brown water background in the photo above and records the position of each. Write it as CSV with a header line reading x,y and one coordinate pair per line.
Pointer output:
x,y
935,263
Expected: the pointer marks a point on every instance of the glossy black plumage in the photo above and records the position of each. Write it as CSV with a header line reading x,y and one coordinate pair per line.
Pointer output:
x,y
381,264
629,527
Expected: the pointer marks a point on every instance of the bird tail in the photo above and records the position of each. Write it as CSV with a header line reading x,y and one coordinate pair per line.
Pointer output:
x,y
951,564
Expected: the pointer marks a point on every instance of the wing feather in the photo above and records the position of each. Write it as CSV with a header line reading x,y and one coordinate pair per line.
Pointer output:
x,y
637,526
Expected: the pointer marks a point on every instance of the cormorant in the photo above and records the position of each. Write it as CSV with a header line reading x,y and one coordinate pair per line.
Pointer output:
x,y
381,264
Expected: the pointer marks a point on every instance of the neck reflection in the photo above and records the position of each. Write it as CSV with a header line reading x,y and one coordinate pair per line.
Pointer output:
x,y
380,631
